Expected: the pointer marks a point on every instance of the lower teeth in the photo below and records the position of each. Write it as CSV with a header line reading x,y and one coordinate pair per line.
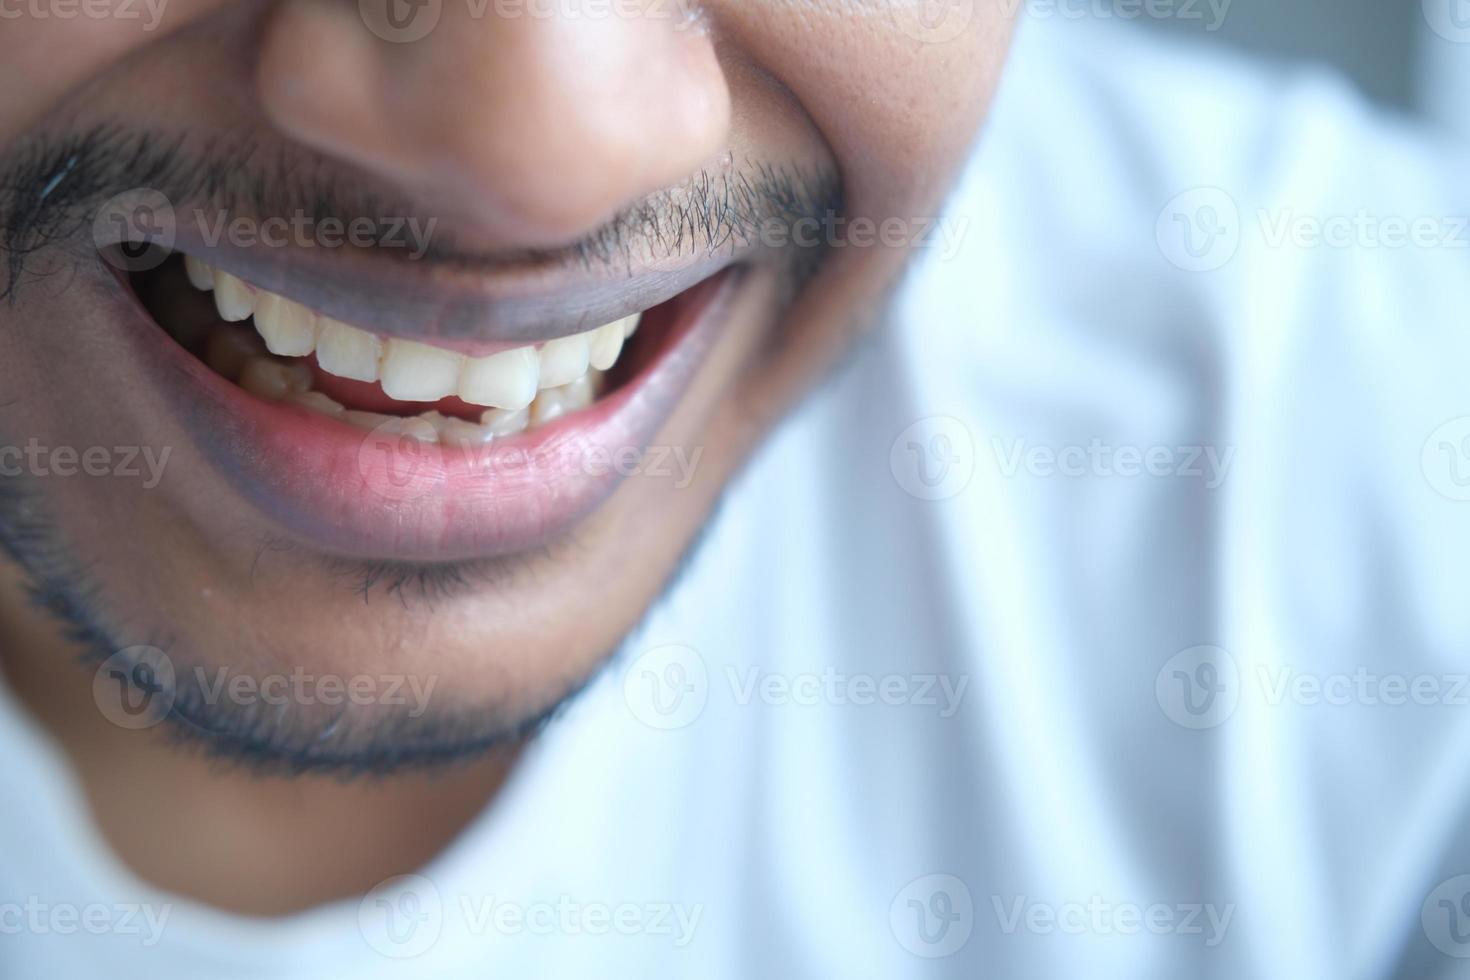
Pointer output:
x,y
239,356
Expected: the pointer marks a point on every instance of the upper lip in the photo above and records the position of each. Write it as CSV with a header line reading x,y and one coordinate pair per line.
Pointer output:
x,y
435,302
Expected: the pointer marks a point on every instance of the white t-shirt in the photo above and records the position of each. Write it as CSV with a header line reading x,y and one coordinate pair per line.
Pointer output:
x,y
1107,617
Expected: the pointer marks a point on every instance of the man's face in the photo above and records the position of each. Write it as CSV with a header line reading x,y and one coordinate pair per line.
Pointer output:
x,y
426,204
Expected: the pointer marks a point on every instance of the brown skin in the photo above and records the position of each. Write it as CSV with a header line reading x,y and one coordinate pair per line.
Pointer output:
x,y
459,118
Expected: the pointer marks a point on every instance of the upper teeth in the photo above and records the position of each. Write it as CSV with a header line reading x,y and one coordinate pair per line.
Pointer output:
x,y
406,369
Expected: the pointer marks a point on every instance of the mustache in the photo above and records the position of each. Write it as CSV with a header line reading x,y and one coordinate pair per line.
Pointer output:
x,y
53,187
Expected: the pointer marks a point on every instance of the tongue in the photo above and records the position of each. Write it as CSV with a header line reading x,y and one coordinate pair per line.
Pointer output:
x,y
368,396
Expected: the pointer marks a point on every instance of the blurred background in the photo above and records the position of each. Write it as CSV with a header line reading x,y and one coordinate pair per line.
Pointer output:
x,y
1409,55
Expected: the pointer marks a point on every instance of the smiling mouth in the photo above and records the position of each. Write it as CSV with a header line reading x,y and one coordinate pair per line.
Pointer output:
x,y
283,352
399,447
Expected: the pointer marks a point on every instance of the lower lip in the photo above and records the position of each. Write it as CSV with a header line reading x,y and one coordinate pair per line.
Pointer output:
x,y
378,496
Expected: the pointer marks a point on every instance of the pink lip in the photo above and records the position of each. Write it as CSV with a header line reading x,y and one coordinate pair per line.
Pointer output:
x,y
374,495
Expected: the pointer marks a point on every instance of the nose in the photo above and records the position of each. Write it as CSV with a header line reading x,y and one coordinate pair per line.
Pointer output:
x,y
536,128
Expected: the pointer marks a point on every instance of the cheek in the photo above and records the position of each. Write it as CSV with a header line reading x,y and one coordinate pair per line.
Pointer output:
x,y
56,55
899,97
